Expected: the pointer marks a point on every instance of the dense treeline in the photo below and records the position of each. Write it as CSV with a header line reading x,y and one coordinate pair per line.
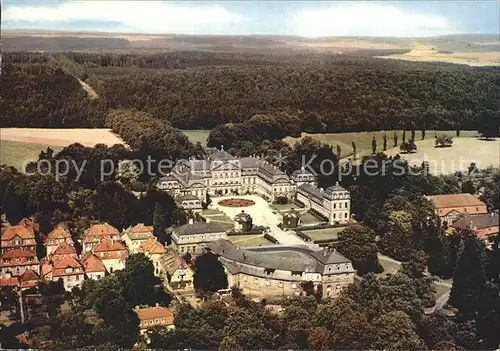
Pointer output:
x,y
200,90
42,96
36,43
151,136
367,95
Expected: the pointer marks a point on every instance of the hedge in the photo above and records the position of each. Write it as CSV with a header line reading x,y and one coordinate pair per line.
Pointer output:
x,y
271,238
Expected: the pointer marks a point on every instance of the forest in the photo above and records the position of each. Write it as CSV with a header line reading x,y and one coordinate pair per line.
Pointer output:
x,y
201,90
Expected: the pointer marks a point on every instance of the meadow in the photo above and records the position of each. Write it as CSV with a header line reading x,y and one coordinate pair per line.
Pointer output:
x,y
18,153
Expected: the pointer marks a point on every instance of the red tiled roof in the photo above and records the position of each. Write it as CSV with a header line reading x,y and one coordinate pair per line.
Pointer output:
x,y
93,264
18,258
28,279
156,312
455,200
59,266
152,246
17,230
12,281
101,229
29,224
64,249
45,268
141,228
59,233
110,245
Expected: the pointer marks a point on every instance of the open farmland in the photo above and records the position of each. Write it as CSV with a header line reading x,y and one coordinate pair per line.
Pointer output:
x,y
17,153
61,137
363,140
456,158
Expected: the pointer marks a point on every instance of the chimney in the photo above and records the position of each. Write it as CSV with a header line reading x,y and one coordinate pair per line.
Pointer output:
x,y
157,304
321,189
326,250
492,214
190,221
337,183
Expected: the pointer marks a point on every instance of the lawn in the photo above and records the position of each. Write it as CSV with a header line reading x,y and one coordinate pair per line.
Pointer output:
x,y
285,207
389,267
309,219
363,140
16,153
210,212
225,222
440,290
455,158
324,234
197,135
249,240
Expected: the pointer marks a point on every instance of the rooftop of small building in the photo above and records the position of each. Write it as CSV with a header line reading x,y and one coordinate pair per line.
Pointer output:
x,y
199,228
479,221
455,200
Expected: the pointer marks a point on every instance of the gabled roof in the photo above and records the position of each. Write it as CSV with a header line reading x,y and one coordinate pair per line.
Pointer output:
x,y
93,264
455,200
18,254
64,249
199,228
152,246
156,312
331,257
480,221
59,233
139,232
28,278
107,245
101,229
17,230
59,266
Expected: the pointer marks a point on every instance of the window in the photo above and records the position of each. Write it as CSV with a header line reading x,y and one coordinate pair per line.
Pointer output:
x,y
334,205
280,284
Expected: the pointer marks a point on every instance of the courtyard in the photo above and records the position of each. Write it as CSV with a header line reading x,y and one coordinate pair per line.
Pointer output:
x,y
262,214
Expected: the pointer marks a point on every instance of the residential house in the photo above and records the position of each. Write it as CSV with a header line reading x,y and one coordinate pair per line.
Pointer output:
x,y
63,250
98,232
112,253
169,262
182,276
14,262
154,251
28,279
67,268
485,226
94,268
450,207
58,236
153,317
18,237
193,237
136,235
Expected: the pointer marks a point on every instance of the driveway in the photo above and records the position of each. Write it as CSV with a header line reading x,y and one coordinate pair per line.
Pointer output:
x,y
261,214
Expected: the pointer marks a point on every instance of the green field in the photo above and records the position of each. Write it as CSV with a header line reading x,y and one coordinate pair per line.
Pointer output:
x,y
363,140
308,218
197,135
17,153
324,234
250,240
225,222
210,212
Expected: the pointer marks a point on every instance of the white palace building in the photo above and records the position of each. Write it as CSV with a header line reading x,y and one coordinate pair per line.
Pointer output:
x,y
222,174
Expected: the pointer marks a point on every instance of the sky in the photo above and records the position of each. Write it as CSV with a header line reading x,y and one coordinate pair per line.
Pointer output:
x,y
303,18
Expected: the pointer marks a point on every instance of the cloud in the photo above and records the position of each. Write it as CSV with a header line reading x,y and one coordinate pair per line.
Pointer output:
x,y
139,16
367,19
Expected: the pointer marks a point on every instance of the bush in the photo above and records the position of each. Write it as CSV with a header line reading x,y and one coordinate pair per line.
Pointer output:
x,y
271,238
281,200
303,236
